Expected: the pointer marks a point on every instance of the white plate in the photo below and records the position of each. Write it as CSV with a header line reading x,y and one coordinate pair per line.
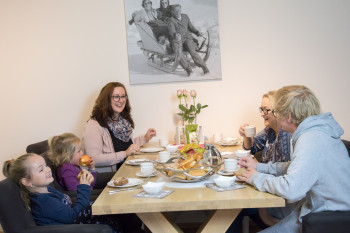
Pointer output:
x,y
225,173
132,182
222,143
151,149
137,162
153,174
226,154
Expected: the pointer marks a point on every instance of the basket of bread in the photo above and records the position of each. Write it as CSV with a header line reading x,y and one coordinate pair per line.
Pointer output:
x,y
190,165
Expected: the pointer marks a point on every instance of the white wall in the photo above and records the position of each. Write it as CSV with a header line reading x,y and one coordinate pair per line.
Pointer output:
x,y
55,56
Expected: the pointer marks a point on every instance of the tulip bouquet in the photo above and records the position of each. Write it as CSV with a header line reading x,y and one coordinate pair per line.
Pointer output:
x,y
189,112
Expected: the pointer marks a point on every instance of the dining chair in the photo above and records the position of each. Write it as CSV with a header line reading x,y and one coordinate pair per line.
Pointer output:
x,y
15,217
328,221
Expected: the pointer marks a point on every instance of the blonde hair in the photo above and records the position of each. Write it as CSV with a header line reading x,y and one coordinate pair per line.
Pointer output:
x,y
299,102
271,96
16,169
62,148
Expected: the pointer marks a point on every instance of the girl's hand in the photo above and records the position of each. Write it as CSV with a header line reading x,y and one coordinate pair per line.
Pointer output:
x,y
133,148
86,177
248,162
150,134
247,175
92,164
241,129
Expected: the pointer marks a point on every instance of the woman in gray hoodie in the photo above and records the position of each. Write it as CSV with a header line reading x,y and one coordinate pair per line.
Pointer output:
x,y
312,180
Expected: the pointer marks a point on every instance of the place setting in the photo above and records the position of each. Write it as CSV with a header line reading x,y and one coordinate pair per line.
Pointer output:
x,y
224,183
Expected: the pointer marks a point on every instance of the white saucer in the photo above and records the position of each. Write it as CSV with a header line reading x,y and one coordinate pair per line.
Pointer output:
x,y
137,162
222,143
151,149
139,174
225,173
226,154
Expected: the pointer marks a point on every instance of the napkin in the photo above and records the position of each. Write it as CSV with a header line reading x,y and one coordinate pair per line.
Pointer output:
x,y
216,188
160,195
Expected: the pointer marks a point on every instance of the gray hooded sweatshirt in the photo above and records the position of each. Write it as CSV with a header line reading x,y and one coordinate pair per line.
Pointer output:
x,y
318,174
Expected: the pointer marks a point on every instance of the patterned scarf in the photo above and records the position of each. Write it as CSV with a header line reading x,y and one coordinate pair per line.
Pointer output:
x,y
121,128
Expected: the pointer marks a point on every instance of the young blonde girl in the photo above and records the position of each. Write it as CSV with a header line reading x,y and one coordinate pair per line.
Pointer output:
x,y
65,153
47,205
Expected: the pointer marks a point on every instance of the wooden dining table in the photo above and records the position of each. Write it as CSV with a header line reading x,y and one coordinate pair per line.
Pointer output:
x,y
225,205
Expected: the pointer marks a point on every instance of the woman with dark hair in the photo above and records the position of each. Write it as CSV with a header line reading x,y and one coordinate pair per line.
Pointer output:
x,y
108,137
164,11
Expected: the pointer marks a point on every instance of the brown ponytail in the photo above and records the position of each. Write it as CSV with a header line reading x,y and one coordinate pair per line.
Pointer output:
x,y
16,170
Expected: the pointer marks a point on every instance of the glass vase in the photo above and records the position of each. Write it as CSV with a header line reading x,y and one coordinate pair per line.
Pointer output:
x,y
191,133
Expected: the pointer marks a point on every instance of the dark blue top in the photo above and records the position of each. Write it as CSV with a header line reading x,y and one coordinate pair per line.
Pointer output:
x,y
275,149
55,208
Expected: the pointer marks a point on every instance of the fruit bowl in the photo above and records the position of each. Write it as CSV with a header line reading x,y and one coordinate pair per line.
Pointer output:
x,y
176,169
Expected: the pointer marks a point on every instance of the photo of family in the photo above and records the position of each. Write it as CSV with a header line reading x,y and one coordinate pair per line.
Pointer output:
x,y
173,40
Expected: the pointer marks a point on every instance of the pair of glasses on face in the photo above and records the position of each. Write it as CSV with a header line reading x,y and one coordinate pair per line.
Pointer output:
x,y
267,110
148,3
117,97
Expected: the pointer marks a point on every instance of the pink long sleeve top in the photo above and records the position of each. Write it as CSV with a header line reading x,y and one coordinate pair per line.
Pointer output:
x,y
98,144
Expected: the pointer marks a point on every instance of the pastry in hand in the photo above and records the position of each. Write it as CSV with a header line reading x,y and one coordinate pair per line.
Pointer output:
x,y
239,172
120,181
85,171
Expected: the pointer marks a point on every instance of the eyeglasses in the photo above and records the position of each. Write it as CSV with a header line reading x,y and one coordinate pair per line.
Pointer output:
x,y
274,112
148,3
117,97
266,110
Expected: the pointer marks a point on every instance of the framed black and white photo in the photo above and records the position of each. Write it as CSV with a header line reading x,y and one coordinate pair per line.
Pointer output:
x,y
173,40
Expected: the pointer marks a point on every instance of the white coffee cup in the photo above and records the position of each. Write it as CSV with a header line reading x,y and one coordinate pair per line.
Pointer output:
x,y
230,165
163,142
250,131
164,156
146,168
217,137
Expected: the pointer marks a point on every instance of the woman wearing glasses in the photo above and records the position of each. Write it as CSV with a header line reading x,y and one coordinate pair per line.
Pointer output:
x,y
108,137
272,140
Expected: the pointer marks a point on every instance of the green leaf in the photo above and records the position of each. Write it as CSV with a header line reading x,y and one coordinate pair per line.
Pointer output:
x,y
199,106
182,108
204,106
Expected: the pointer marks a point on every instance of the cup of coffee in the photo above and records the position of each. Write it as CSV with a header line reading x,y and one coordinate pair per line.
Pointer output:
x,y
164,156
146,168
250,131
230,165
163,142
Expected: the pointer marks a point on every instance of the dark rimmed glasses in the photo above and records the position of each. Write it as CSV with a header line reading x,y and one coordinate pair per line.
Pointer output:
x,y
117,97
267,110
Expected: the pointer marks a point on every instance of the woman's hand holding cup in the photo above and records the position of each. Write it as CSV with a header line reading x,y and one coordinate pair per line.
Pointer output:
x,y
241,129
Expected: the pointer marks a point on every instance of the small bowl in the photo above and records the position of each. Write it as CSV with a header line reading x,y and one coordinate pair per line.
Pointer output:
x,y
224,181
242,153
172,148
153,188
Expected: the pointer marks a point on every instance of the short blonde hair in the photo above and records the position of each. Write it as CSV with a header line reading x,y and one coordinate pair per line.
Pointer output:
x,y
271,96
62,148
299,102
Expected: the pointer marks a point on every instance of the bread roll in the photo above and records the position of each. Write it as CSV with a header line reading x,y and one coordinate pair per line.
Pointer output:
x,y
85,171
120,181
239,172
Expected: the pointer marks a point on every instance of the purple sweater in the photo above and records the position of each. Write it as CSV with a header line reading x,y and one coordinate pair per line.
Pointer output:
x,y
67,176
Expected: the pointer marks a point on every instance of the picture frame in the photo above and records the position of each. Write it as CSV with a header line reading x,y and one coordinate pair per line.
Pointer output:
x,y
163,48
